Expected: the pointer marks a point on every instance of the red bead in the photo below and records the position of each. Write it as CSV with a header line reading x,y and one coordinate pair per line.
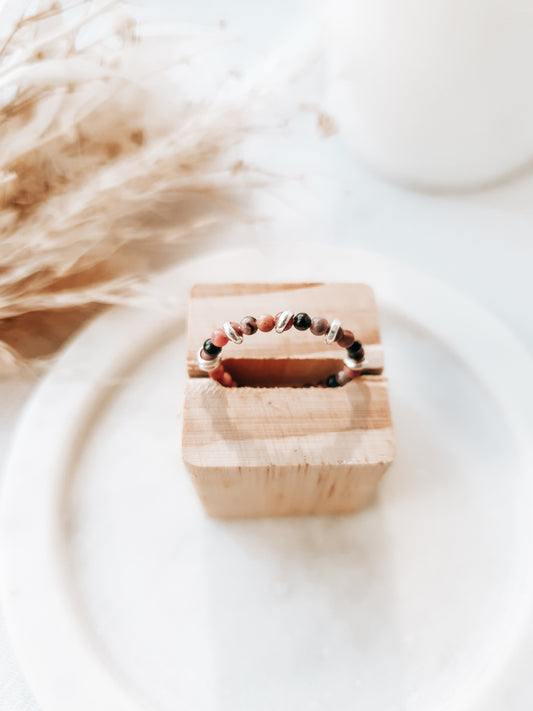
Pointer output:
x,y
219,338
265,322
346,341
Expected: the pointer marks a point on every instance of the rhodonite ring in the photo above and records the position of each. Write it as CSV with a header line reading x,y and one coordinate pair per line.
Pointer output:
x,y
210,354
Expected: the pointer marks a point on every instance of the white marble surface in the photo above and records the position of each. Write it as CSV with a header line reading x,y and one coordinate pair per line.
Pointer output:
x,y
117,581
490,264
481,243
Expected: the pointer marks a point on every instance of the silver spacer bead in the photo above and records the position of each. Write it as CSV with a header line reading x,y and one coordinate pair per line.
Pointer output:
x,y
355,364
231,333
282,320
208,365
331,335
342,378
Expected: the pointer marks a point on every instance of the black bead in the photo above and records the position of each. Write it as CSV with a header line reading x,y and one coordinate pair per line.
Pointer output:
x,y
331,382
210,348
356,351
302,321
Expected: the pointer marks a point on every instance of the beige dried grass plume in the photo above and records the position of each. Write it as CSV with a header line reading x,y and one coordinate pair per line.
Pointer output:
x,y
105,169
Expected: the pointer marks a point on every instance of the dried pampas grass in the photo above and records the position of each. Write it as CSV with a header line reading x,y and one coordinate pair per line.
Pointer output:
x,y
105,170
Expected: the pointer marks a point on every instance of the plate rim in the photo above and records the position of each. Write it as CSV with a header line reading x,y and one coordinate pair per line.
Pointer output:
x,y
95,685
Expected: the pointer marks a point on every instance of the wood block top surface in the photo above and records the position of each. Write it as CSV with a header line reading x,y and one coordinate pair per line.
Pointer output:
x,y
293,357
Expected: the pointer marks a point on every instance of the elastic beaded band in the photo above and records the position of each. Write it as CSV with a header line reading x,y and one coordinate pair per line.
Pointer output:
x,y
210,355
231,333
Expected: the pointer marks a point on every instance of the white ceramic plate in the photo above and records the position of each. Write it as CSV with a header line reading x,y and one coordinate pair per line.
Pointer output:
x,y
120,594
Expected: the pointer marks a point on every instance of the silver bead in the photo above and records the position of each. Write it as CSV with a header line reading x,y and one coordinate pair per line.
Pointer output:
x,y
282,320
231,333
342,378
355,364
331,334
208,365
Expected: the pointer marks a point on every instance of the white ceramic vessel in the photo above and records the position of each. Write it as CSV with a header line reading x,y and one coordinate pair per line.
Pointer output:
x,y
434,94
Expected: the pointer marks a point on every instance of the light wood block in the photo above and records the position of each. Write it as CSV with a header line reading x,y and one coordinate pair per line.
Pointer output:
x,y
282,450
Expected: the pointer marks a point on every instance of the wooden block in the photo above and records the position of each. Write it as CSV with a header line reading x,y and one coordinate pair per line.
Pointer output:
x,y
277,451
281,450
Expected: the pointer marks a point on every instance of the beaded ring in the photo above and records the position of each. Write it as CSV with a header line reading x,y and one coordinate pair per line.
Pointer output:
x,y
210,355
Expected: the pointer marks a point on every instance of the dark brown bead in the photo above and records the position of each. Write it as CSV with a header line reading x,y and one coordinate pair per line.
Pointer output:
x,y
356,351
217,373
302,321
347,340
319,326
210,348
248,325
359,356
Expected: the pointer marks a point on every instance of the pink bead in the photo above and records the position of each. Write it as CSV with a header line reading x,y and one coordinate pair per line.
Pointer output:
x,y
217,373
219,338
205,356
265,323
226,380
349,373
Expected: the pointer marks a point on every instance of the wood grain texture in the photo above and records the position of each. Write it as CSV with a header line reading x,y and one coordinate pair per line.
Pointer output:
x,y
286,451
292,358
278,450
